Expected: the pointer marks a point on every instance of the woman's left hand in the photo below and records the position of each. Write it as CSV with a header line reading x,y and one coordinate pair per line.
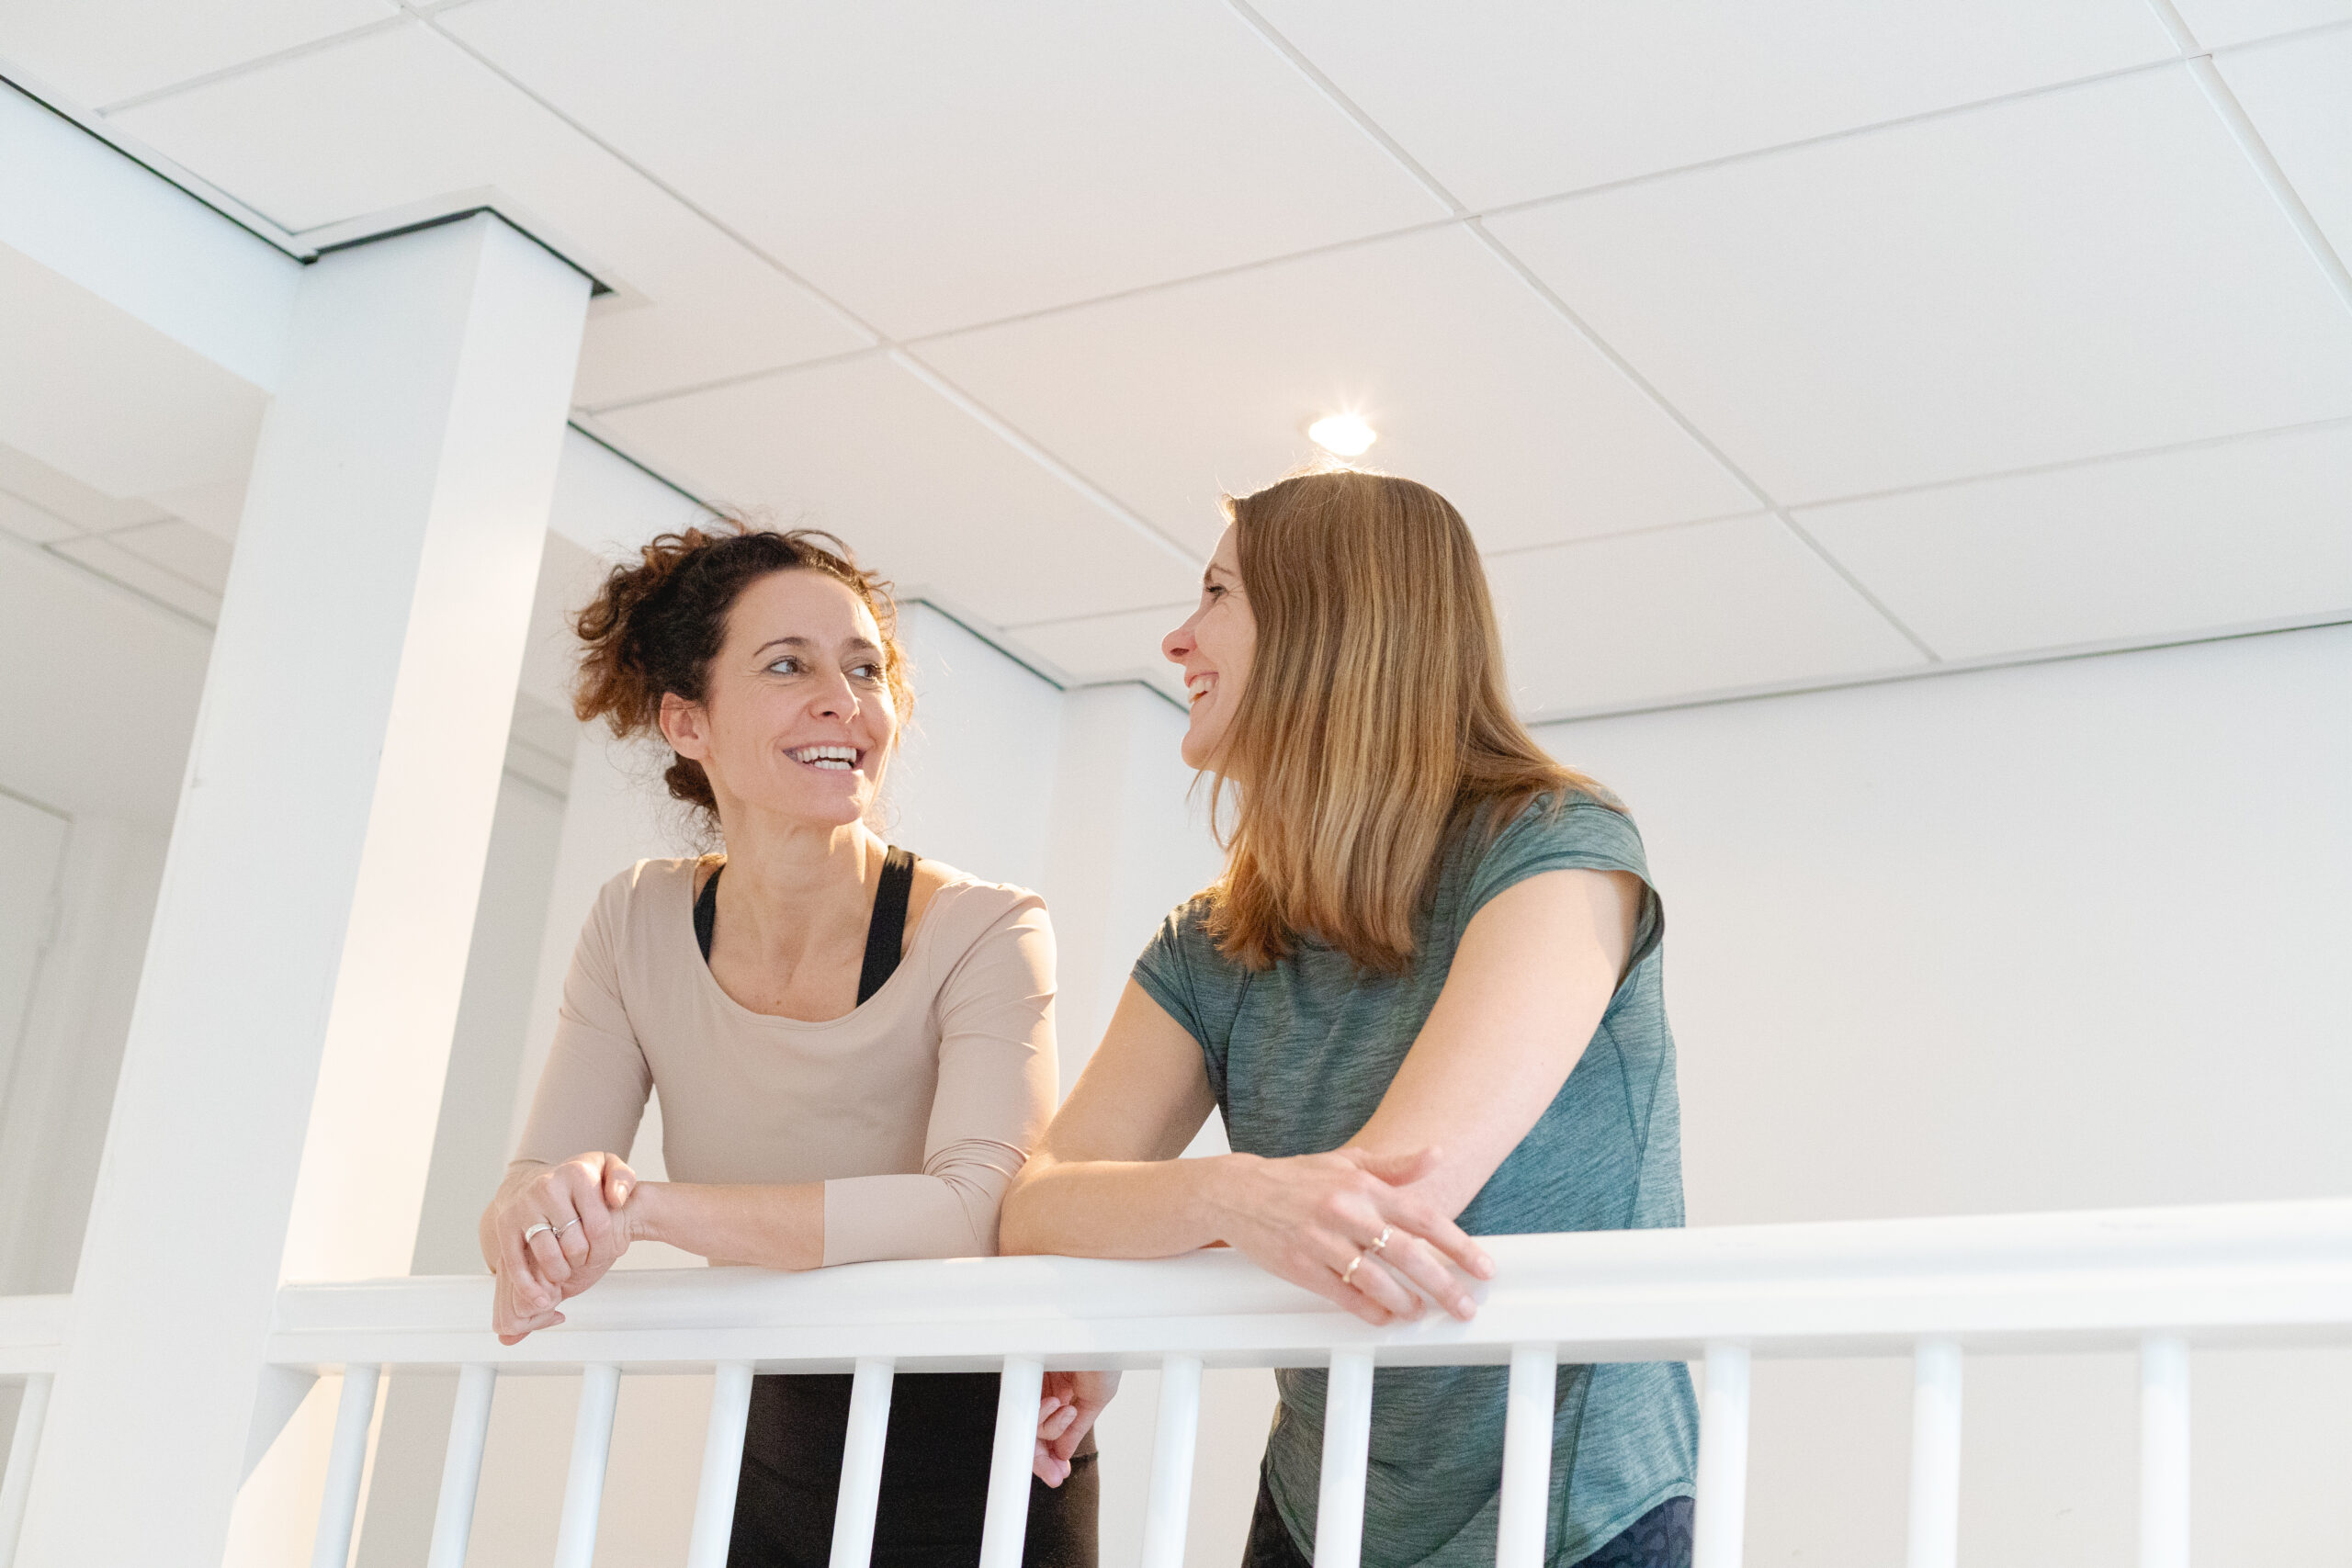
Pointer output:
x,y
1066,1413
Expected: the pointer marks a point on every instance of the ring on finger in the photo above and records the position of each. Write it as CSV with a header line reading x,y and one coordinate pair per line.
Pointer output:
x,y
565,1227
1380,1241
535,1230
1348,1275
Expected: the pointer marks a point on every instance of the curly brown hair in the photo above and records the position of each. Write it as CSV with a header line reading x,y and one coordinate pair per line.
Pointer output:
x,y
657,623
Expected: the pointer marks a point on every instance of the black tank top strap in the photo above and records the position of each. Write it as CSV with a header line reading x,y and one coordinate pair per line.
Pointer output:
x,y
707,911
886,930
886,934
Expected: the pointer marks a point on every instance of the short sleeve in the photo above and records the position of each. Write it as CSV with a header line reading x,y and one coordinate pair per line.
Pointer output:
x,y
1579,833
592,1090
1178,969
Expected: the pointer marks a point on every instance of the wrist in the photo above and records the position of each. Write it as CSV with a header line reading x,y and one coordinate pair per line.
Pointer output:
x,y
1225,1182
641,1217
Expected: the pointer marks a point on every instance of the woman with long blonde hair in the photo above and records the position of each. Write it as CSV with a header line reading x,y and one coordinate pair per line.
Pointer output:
x,y
1426,996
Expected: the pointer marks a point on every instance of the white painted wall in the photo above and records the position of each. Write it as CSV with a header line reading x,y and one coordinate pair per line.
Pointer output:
x,y
2066,935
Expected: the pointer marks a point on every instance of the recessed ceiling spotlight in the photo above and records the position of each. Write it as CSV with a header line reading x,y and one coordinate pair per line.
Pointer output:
x,y
1342,434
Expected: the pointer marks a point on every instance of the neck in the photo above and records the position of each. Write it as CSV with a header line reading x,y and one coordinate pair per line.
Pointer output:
x,y
790,883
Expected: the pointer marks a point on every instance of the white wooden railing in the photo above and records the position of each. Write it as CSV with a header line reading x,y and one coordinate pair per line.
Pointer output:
x,y
2158,1281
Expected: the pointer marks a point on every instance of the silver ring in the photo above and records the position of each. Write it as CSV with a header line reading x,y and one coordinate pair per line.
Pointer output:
x,y
565,1227
1382,1240
535,1230
1348,1275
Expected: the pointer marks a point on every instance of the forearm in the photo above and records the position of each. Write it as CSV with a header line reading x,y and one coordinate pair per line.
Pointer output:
x,y
1122,1208
772,1226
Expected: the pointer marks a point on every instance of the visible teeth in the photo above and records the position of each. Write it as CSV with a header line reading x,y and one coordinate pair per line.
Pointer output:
x,y
1198,686
832,758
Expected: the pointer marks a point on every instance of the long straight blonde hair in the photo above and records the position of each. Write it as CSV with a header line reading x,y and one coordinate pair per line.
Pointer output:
x,y
1375,725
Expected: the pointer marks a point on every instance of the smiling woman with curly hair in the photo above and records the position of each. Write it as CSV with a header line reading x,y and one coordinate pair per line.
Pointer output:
x,y
854,1045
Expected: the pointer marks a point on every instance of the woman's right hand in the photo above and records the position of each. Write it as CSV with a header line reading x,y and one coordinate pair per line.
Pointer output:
x,y
569,1212
1317,1221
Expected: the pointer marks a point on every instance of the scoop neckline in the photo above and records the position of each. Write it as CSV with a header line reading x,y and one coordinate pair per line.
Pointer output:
x,y
684,931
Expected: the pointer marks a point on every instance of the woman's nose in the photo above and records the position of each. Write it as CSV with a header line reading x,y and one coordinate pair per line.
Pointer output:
x,y
1177,644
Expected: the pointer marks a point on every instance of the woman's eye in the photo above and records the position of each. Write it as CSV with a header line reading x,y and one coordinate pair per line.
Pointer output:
x,y
866,672
787,665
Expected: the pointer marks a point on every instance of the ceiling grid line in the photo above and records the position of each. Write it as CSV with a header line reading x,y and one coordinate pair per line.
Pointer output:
x,y
2067,465
1577,323
2256,151
258,62
939,385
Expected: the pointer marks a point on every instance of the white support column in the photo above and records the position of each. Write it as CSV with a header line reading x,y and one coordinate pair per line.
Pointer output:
x,y
32,1411
1347,1448
1169,1508
347,1468
722,1465
592,1449
862,1447
1524,1520
1011,1458
1935,1455
1719,1529
309,945
2163,1452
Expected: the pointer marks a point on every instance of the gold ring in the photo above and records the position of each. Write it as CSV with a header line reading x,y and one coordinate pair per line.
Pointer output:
x,y
1386,1232
1348,1275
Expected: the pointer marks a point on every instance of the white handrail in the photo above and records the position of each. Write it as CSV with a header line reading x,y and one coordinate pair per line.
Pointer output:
x,y
2257,1273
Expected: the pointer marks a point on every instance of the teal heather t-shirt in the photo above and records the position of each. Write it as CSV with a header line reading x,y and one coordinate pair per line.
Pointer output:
x,y
1300,1056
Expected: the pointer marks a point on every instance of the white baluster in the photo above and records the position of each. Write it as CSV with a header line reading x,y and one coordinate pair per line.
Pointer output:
x,y
1935,1455
453,1520
31,1412
860,1494
2164,1453
1526,1513
1170,1507
1010,1462
1346,1444
346,1465
591,1447
722,1465
1721,1524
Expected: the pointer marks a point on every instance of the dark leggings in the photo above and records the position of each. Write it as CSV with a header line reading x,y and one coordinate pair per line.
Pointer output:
x,y
1659,1539
934,1478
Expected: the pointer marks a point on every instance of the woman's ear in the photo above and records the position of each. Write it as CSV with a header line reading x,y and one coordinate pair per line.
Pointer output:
x,y
682,726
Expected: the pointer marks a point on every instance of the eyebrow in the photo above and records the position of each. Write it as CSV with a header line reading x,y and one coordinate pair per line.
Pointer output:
x,y
855,645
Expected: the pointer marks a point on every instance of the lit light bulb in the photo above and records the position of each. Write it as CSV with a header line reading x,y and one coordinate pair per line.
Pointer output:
x,y
1342,435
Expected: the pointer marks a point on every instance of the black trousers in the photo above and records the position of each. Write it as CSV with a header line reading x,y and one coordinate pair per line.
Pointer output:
x,y
934,1478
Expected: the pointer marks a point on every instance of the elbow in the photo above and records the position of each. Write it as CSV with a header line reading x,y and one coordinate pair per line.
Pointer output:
x,y
1016,1218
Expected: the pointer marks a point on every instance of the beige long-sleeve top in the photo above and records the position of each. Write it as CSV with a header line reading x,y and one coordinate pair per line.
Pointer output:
x,y
915,1110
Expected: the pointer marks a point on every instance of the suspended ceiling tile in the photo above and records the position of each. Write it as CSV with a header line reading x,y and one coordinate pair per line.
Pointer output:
x,y
181,548
142,577
101,51
1099,648
2090,271
35,524
2220,22
1679,613
935,164
89,511
108,401
693,305
918,488
2252,530
1510,99
2298,91
1476,386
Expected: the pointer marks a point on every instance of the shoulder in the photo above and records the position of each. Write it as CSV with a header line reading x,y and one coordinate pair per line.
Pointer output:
x,y
1560,830
634,892
964,909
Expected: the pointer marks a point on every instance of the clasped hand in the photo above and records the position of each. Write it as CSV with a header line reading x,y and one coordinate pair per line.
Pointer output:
x,y
1359,1229
557,1232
